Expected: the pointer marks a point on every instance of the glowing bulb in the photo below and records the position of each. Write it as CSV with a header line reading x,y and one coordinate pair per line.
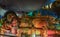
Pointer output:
x,y
47,6
50,5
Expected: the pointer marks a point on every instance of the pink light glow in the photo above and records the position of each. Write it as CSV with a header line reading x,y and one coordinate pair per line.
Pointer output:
x,y
51,32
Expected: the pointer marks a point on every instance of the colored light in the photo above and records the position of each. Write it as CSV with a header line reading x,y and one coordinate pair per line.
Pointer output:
x,y
51,32
37,32
0,24
30,13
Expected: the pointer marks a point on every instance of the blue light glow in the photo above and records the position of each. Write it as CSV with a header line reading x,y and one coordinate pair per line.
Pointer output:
x,y
47,12
49,1
30,13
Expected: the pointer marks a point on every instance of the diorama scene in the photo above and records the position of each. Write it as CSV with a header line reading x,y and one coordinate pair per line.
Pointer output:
x,y
29,18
